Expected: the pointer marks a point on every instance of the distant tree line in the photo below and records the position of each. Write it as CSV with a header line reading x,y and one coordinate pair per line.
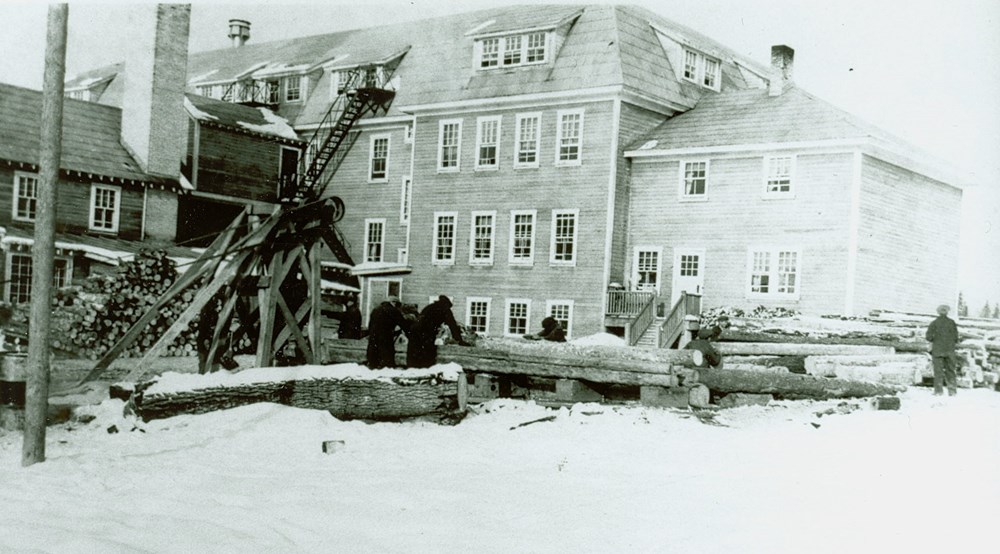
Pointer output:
x,y
987,312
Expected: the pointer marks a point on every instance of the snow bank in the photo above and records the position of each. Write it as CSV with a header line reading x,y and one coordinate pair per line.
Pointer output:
x,y
599,339
276,125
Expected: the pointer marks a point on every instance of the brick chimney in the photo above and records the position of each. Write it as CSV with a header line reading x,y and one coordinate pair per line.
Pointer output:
x,y
782,64
154,122
239,32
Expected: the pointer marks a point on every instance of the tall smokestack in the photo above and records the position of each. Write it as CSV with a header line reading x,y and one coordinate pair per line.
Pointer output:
x,y
782,64
239,32
154,122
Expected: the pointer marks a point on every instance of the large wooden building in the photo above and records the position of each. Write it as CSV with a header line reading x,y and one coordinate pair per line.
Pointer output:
x,y
553,160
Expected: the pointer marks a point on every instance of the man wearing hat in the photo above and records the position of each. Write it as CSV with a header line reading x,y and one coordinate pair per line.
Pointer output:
x,y
382,324
421,351
942,333
710,356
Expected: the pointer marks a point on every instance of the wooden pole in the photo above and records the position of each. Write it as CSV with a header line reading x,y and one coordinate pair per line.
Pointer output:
x,y
43,251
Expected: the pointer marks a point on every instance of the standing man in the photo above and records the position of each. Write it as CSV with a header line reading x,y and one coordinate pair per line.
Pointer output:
x,y
349,326
943,335
382,325
421,350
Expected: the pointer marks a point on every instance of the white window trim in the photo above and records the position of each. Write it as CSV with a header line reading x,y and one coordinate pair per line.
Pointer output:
x,y
501,43
774,251
18,175
699,69
408,133
769,195
506,319
479,142
115,215
440,146
493,238
8,262
517,139
559,130
468,311
576,235
405,200
569,321
682,170
659,265
368,224
530,260
371,157
434,240
303,88
402,256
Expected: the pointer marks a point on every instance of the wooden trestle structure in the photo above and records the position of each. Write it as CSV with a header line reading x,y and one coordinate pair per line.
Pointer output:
x,y
265,268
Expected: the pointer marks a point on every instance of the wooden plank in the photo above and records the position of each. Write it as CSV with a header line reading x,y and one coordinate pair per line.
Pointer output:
x,y
292,324
227,310
314,278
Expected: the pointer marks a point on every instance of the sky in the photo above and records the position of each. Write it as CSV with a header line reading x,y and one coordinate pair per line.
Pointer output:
x,y
920,69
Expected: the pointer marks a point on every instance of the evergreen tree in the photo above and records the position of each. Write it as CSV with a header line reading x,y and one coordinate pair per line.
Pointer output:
x,y
986,312
963,308
996,310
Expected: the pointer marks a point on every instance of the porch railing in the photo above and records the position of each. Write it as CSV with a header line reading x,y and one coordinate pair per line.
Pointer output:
x,y
675,324
638,325
622,303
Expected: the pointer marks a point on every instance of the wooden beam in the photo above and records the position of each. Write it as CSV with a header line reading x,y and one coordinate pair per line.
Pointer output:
x,y
314,278
227,310
292,324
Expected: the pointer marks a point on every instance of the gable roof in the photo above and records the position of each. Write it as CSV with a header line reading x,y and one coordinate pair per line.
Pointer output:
x,y
260,121
91,141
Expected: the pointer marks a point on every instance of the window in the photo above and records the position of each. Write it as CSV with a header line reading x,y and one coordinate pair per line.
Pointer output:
x,y
647,269
487,140
404,201
561,311
408,134
528,137
694,180
513,50
105,202
449,141
82,94
701,69
481,238
25,196
19,276
444,237
778,171
563,250
518,316
207,91
273,93
378,159
569,136
374,239
522,237
338,82
774,273
477,315
293,88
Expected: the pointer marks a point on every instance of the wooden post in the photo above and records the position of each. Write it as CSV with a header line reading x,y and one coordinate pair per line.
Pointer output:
x,y
314,278
43,251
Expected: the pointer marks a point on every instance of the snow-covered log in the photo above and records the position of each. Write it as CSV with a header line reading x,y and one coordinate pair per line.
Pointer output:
x,y
790,386
901,369
801,349
897,343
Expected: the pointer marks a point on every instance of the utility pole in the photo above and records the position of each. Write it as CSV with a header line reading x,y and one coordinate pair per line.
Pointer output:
x,y
43,252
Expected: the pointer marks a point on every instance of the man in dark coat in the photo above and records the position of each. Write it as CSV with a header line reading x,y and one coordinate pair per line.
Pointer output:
x,y
710,356
421,350
382,324
551,331
943,335
349,326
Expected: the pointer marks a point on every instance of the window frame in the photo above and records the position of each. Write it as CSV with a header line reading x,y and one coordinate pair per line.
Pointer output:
x,y
507,316
559,138
496,142
701,69
530,259
8,268
468,313
387,137
575,240
301,88
568,328
768,160
441,146
493,238
518,122
683,196
658,250
405,200
773,273
435,260
369,223
15,196
502,52
116,210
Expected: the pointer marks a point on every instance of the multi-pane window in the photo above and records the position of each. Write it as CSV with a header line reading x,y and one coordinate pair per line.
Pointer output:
x,y
563,236
81,94
378,158
688,265
690,65
444,237
489,52
701,69
528,136
374,239
481,239
273,91
404,200
779,175
518,314
536,48
207,91
561,311
487,142
711,76
774,272
522,237
19,277
513,50
694,177
449,141
25,196
647,269
293,88
104,207
569,137
477,315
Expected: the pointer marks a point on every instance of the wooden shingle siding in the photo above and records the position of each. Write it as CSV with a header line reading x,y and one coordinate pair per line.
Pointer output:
x,y
544,189
736,217
237,164
908,240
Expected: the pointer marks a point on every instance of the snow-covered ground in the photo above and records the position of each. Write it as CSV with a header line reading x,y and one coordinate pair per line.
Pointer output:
x,y
596,478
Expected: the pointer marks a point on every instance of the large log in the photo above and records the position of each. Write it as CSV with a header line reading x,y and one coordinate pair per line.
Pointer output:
x,y
802,349
733,335
789,386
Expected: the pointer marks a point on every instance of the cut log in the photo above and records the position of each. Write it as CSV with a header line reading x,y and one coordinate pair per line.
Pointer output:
x,y
794,364
733,335
801,349
699,396
901,369
790,386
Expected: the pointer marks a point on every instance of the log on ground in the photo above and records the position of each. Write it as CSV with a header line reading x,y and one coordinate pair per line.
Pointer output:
x,y
801,349
742,335
789,385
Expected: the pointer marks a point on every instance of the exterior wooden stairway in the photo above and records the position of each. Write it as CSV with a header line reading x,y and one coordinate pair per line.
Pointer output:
x,y
645,328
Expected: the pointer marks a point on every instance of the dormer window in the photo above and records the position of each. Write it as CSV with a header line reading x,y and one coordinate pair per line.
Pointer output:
x,y
81,94
293,88
513,50
701,69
